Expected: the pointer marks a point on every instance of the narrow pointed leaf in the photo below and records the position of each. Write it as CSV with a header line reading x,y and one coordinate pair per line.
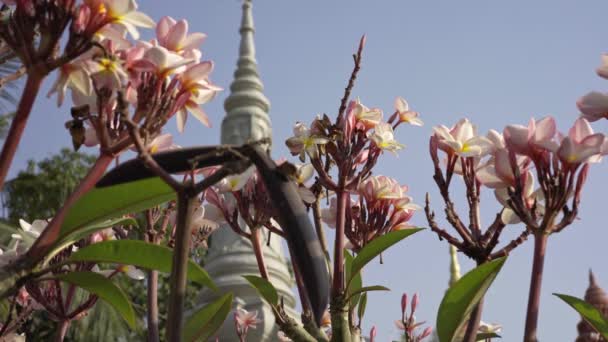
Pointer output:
x,y
366,289
461,298
105,289
264,288
362,306
140,254
203,324
377,246
592,315
101,204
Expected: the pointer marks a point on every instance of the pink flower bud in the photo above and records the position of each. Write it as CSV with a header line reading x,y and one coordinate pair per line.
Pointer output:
x,y
426,332
403,302
414,303
372,334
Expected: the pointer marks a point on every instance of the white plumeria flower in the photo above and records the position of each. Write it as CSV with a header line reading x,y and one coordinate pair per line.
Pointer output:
x,y
124,13
133,272
462,139
405,114
71,75
236,182
384,138
489,328
304,142
34,230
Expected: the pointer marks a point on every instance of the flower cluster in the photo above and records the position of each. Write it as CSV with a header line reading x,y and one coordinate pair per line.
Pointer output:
x,y
533,170
353,144
382,206
408,323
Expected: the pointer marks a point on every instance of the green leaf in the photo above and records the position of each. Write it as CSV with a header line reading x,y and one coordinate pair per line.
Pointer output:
x,y
461,298
356,280
364,289
140,254
377,246
205,322
85,231
101,204
485,336
264,288
105,289
592,315
362,306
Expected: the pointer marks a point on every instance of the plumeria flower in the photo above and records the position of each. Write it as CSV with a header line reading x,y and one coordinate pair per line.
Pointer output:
x,y
282,337
200,219
303,174
304,142
235,182
107,72
174,36
244,320
161,62
381,188
132,272
538,135
581,144
462,139
489,328
384,138
103,235
71,75
34,230
161,143
594,106
530,197
498,173
196,90
122,13
405,114
364,117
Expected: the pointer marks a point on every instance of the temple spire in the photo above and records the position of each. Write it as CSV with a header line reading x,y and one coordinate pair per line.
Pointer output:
x,y
246,107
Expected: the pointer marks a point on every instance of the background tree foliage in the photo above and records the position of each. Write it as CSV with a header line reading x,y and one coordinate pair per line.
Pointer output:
x,y
39,191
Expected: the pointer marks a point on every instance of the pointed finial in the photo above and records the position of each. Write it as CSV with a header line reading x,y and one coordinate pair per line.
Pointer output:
x,y
454,266
246,107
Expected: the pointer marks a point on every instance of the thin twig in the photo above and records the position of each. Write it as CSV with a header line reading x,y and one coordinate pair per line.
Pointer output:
x,y
351,81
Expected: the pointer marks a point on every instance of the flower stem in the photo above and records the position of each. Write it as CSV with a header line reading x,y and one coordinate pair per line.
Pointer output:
x,y
153,306
256,241
62,330
179,269
473,324
540,246
338,280
32,86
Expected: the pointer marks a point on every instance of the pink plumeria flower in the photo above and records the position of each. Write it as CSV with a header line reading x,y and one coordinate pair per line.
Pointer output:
x,y
160,143
122,13
304,142
384,138
594,106
103,235
462,139
602,70
196,90
381,188
244,320
365,118
581,144
538,135
405,114
174,36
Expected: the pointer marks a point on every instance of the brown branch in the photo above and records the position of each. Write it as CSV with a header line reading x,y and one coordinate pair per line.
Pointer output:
x,y
511,245
353,77
443,234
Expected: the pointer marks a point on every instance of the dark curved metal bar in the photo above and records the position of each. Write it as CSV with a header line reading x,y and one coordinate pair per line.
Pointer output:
x,y
292,215
172,161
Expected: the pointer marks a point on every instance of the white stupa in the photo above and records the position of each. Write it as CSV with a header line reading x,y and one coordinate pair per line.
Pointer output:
x,y
230,255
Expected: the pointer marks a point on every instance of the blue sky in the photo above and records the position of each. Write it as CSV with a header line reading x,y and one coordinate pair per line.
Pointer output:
x,y
495,62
